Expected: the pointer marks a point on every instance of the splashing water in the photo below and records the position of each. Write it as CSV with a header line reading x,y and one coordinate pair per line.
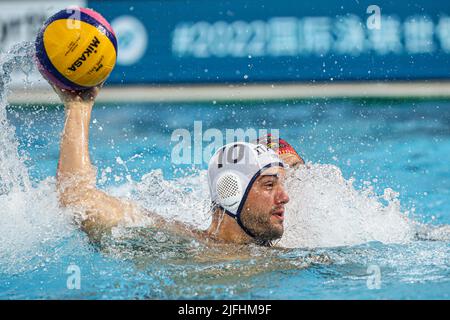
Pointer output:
x,y
184,199
13,173
30,218
326,210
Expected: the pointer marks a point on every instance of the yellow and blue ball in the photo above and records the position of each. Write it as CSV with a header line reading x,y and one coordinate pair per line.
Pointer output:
x,y
76,49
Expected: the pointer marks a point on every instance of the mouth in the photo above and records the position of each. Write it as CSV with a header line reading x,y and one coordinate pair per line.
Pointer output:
x,y
279,214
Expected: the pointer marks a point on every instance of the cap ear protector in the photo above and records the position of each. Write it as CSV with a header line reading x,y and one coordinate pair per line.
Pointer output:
x,y
229,191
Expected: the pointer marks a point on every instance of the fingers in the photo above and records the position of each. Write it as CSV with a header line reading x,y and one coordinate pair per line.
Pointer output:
x,y
90,94
66,95
86,95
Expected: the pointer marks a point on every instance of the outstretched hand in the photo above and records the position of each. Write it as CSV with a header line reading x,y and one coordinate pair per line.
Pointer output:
x,y
82,96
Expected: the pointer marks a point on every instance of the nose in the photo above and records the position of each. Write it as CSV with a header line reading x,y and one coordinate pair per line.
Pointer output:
x,y
282,197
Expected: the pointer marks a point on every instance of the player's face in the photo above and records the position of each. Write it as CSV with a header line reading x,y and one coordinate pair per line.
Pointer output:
x,y
263,212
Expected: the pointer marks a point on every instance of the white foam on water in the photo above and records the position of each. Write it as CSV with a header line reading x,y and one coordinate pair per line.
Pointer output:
x,y
326,210
31,225
184,199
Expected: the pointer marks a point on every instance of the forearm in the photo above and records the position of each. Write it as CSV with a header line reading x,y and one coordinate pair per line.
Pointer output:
x,y
74,160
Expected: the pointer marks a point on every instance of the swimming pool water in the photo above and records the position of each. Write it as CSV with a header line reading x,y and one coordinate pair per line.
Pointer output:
x,y
398,144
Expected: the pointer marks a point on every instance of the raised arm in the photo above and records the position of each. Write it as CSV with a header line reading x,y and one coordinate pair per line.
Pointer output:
x,y
76,177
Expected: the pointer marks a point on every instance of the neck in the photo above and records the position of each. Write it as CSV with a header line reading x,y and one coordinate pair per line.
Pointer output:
x,y
226,229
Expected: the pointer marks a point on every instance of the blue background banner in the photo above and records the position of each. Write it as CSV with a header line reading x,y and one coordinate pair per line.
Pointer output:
x,y
203,41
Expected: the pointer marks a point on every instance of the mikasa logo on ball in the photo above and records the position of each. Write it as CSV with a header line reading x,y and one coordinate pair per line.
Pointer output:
x,y
76,58
90,49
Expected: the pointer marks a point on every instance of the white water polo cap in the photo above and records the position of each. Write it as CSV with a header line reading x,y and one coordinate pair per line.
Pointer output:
x,y
232,171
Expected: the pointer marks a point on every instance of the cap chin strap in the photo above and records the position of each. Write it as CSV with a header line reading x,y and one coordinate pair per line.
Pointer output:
x,y
237,218
239,222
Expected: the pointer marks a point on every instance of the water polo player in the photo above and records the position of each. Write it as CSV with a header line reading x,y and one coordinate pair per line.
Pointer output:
x,y
245,180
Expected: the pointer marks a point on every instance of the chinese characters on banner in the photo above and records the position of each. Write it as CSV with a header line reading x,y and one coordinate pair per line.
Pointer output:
x,y
319,36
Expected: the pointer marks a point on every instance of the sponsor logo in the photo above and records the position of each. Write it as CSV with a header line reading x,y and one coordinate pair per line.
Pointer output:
x,y
86,54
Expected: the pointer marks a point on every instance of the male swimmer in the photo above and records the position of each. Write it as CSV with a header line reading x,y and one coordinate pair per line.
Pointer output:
x,y
245,181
